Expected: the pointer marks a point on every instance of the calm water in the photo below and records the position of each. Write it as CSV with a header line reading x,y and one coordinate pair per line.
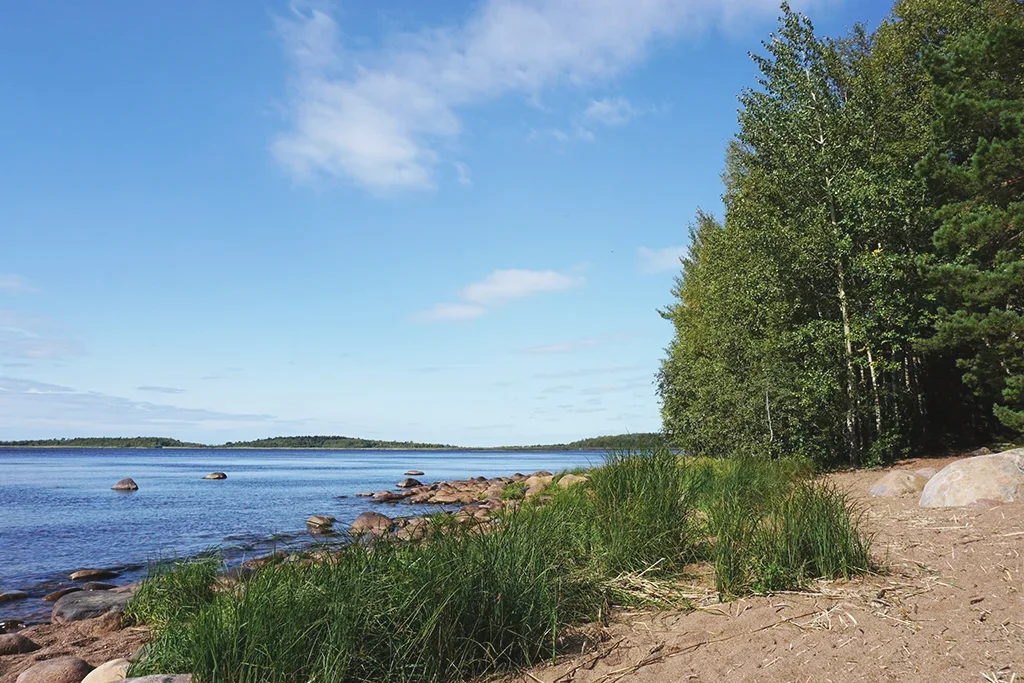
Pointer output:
x,y
58,514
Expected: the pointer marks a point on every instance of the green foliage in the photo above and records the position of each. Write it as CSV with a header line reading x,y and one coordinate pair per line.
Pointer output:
x,y
329,442
825,314
103,442
462,604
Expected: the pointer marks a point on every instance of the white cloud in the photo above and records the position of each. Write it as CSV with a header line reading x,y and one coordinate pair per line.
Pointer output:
x,y
29,337
616,111
564,347
161,390
15,284
660,260
500,287
384,119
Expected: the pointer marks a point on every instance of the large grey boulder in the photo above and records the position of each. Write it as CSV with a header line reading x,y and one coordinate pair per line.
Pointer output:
x,y
89,604
58,670
998,477
898,483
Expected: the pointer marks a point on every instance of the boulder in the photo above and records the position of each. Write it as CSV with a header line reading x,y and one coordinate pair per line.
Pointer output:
x,y
216,475
927,472
370,522
125,485
89,604
16,644
324,521
414,473
161,678
997,477
540,480
408,483
92,575
58,670
364,494
571,480
11,596
110,672
58,594
898,483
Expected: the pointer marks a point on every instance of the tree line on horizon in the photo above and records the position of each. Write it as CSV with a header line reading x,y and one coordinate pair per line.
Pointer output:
x,y
860,298
612,442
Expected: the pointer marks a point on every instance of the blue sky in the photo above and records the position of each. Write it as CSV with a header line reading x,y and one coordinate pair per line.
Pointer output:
x,y
446,221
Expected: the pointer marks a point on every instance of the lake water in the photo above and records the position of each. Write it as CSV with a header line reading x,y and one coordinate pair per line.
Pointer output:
x,y
58,514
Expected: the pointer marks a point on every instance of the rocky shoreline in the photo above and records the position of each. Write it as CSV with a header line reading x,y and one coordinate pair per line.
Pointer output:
x,y
87,609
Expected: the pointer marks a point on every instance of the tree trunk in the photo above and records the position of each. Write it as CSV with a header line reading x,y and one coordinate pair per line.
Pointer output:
x,y
874,391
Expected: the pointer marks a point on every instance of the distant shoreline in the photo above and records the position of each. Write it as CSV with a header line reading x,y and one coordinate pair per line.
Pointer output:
x,y
496,449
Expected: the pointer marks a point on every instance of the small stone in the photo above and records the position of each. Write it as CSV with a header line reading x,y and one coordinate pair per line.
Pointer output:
x,y
110,672
321,521
97,586
16,644
89,574
58,594
370,522
408,483
11,596
125,485
58,670
216,475
414,473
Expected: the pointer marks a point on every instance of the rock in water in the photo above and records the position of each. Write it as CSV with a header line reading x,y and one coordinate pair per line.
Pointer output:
x,y
125,485
998,477
59,670
408,483
90,574
111,672
11,596
322,521
216,475
16,644
898,483
414,473
370,522
58,594
88,604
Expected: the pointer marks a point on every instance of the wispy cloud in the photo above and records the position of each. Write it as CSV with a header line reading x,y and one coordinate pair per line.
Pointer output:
x,y
31,406
387,119
660,260
30,337
15,284
161,390
614,111
570,346
588,372
498,288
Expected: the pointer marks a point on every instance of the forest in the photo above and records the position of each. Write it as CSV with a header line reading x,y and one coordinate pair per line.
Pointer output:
x,y
859,298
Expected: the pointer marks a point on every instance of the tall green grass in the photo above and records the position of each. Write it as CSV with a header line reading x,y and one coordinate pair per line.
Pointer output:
x,y
466,603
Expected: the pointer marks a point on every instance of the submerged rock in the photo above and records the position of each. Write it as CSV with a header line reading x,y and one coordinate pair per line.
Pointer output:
x,y
16,644
89,574
998,477
97,586
216,475
11,596
370,522
898,483
323,521
89,604
58,670
127,484
58,594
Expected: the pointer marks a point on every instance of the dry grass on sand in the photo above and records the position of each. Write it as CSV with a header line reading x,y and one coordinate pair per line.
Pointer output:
x,y
949,608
